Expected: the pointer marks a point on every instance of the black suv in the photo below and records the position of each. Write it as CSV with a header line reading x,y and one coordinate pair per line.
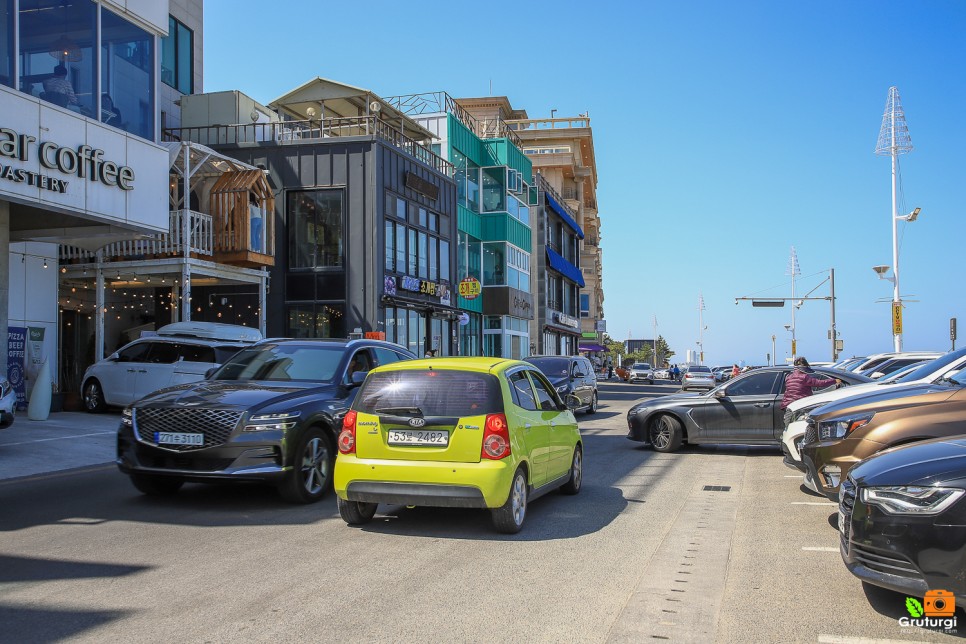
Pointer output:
x,y
272,412
570,375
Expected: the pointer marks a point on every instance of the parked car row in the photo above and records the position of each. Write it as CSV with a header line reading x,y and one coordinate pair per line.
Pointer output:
x,y
364,417
891,452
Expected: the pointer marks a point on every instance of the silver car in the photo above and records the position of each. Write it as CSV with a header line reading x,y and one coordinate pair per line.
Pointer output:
x,y
697,376
641,372
8,404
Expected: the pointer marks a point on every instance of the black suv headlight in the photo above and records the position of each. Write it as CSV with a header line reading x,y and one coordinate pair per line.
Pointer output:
x,y
272,422
911,499
837,428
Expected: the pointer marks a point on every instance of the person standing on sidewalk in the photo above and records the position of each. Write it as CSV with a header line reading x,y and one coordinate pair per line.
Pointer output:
x,y
800,383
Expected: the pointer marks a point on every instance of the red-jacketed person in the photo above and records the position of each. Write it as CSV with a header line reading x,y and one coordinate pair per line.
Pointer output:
x,y
801,383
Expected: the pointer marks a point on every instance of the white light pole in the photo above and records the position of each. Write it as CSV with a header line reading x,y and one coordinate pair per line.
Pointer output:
x,y
774,358
793,270
701,328
894,140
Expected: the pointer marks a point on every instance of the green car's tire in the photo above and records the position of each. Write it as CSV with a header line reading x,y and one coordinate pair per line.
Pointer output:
x,y
509,517
572,486
356,512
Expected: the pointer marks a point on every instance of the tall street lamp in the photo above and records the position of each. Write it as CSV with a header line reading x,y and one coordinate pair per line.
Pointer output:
x,y
894,140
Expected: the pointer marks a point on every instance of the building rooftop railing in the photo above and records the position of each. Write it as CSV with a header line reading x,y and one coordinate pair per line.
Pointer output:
x,y
294,132
548,124
436,102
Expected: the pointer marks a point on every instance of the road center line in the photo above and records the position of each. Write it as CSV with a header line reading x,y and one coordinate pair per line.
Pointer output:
x,y
814,503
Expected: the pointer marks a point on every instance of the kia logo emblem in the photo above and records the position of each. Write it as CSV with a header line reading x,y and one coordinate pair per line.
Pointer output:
x,y
417,422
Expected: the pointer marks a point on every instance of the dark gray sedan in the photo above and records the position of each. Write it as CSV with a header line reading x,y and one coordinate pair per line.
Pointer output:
x,y
745,410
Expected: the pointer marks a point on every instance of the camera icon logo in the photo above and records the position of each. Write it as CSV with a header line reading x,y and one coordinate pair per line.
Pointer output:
x,y
939,603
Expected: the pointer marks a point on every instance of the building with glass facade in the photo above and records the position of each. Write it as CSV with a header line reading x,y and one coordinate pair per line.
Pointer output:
x,y
81,159
495,239
365,211
558,237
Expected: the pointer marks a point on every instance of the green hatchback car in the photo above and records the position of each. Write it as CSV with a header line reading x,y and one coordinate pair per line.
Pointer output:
x,y
457,432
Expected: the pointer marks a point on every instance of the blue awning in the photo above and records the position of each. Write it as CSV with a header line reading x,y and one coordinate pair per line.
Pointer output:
x,y
564,267
562,213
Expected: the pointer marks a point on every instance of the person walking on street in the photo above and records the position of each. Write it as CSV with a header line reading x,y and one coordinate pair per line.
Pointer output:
x,y
735,371
675,373
801,383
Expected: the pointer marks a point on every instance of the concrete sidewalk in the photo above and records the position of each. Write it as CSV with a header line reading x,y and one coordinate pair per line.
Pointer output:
x,y
64,441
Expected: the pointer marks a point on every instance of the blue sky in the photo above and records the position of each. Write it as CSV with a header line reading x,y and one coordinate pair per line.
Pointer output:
x,y
725,133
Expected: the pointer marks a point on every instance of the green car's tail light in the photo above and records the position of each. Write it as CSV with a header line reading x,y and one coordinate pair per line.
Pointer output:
x,y
496,437
347,437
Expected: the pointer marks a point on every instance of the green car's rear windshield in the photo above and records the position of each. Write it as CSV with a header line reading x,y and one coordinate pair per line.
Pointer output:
x,y
438,392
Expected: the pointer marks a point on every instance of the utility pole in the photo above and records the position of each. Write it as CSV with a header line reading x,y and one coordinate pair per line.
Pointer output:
x,y
654,357
835,352
701,328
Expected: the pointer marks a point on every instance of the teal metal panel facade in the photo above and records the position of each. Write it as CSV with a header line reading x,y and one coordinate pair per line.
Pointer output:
x,y
503,227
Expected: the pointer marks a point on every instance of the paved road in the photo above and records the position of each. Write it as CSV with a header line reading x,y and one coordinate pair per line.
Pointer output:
x,y
644,553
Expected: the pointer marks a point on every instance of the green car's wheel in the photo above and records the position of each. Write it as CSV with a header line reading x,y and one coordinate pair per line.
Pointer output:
x,y
509,517
356,512
572,486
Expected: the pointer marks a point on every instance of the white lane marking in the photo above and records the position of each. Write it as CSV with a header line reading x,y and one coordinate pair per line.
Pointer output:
x,y
819,549
814,503
59,438
793,476
839,639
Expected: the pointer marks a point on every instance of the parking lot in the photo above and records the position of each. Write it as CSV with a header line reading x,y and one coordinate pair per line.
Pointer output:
x,y
706,544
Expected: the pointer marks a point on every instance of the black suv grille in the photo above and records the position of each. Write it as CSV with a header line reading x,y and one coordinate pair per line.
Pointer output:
x,y
216,424
889,564
846,505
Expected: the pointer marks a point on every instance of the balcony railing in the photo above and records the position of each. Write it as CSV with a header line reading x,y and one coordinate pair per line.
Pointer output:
x,y
200,241
310,130
548,124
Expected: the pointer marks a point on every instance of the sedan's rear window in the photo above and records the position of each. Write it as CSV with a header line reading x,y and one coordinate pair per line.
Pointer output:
x,y
699,369
439,392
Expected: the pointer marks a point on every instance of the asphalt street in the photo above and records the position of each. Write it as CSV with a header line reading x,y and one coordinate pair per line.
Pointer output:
x,y
645,552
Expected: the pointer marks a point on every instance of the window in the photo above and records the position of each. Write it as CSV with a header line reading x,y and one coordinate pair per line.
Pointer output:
x,y
177,57
412,263
546,399
494,189
756,384
316,320
315,229
386,356
585,305
6,43
134,353
444,260
400,248
433,259
163,353
58,53
390,235
127,76
522,391
423,267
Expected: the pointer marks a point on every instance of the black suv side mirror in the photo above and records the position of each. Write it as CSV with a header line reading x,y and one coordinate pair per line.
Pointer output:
x,y
721,393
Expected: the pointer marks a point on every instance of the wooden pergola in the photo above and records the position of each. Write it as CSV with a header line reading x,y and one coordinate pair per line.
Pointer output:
x,y
243,208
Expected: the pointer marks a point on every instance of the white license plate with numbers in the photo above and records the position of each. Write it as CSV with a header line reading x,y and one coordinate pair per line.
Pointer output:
x,y
430,437
178,438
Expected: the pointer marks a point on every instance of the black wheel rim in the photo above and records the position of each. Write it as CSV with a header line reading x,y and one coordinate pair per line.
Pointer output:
x,y
315,465
661,434
92,397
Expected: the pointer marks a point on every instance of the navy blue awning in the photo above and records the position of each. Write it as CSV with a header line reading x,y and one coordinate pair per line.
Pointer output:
x,y
564,267
562,213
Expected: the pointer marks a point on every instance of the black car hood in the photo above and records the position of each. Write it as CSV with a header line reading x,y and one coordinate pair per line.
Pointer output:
x,y
236,394
875,397
934,462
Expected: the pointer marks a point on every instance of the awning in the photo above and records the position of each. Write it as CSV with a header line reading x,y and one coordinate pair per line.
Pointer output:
x,y
565,268
591,347
562,213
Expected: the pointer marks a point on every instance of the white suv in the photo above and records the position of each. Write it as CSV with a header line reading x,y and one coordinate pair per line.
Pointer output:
x,y
180,353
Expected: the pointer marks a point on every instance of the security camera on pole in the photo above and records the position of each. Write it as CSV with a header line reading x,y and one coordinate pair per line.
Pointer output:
x,y
894,140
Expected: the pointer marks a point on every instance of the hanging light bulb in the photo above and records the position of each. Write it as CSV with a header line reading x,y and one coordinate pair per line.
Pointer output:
x,y
45,262
63,269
